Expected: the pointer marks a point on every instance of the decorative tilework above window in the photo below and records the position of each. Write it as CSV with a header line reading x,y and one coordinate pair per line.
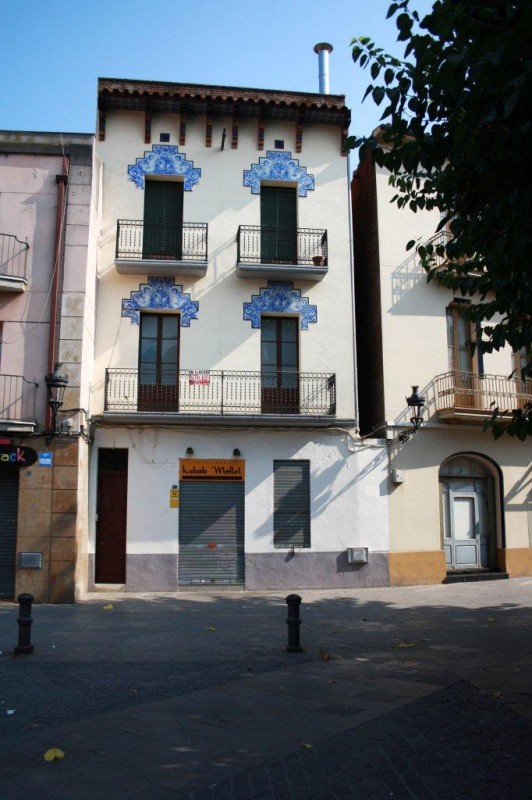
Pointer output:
x,y
162,294
164,159
280,297
277,166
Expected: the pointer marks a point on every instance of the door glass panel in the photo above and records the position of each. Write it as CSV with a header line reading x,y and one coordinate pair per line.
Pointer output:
x,y
289,355
149,327
269,354
168,351
170,326
464,517
148,351
268,329
289,330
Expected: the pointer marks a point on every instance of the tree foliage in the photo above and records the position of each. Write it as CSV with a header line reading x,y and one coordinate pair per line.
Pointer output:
x,y
456,135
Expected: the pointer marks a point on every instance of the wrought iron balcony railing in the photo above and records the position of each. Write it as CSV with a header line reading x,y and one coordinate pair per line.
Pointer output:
x,y
13,256
162,241
466,391
17,398
298,246
220,392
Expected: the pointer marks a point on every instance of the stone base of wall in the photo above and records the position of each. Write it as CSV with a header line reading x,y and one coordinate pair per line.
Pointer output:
x,y
308,570
145,573
516,561
411,569
301,570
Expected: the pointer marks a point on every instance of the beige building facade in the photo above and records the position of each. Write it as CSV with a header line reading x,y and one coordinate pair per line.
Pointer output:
x,y
459,501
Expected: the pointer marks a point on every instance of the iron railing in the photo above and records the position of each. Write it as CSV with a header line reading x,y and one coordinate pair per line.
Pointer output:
x,y
221,392
13,256
18,398
164,241
299,246
466,390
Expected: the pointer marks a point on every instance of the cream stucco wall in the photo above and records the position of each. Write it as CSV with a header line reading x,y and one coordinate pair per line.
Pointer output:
x,y
219,338
348,485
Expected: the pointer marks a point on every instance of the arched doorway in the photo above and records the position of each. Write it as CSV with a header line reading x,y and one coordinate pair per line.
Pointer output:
x,y
468,514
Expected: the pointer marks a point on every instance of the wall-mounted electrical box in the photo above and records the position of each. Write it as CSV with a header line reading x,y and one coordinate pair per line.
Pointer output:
x,y
397,476
357,555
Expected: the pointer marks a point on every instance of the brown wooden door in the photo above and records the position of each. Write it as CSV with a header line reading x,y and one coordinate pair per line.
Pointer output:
x,y
280,365
111,519
159,362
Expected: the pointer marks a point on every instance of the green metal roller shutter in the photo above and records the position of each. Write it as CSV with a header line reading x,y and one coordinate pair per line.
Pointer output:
x,y
291,503
211,533
9,479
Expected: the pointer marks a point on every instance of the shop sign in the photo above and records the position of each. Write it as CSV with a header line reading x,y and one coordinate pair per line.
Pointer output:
x,y
17,455
212,469
45,458
174,497
199,377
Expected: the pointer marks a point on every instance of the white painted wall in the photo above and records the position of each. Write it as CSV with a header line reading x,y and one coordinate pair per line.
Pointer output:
x,y
349,505
220,338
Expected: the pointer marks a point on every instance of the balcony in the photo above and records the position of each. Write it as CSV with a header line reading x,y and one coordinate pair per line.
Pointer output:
x,y
13,256
167,248
470,397
282,253
17,404
281,397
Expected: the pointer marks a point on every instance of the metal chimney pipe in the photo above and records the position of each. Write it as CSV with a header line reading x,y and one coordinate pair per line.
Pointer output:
x,y
323,49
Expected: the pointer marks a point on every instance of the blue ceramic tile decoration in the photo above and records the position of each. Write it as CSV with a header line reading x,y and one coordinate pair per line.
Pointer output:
x,y
278,166
160,293
280,297
164,159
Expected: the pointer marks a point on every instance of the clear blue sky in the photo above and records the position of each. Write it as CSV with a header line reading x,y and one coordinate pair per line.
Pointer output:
x,y
53,51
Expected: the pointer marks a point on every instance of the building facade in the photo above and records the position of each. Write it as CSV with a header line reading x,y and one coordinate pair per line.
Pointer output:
x,y
47,301
224,396
459,502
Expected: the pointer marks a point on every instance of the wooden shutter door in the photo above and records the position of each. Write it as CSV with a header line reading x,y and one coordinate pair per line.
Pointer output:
x,y
163,220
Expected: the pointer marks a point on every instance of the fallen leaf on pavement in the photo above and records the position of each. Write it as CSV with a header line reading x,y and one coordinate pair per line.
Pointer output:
x,y
324,655
306,745
54,754
406,644
496,694
10,712
492,619
108,607
210,629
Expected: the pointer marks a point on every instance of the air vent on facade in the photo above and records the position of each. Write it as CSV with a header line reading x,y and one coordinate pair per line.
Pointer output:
x,y
279,144
164,137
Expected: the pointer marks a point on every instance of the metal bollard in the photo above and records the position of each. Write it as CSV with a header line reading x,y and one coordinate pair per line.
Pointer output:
x,y
24,624
293,602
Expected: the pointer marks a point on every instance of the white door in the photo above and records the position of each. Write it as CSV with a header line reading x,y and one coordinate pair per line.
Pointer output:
x,y
466,524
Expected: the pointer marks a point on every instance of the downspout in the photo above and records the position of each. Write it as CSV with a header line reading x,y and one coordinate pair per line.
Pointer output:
x,y
57,275
352,271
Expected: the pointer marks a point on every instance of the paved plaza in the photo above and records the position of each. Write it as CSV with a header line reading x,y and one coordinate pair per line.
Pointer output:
x,y
416,692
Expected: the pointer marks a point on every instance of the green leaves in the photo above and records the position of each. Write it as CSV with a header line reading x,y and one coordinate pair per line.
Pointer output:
x,y
457,138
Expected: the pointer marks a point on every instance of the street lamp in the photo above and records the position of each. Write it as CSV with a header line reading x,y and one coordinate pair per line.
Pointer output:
x,y
417,403
56,384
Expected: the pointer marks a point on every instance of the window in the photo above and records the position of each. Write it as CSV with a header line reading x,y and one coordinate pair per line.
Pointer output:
x,y
278,225
291,503
159,362
280,365
522,366
163,220
460,359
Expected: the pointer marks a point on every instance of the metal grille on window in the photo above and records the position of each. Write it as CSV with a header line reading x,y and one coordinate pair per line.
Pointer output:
x,y
291,503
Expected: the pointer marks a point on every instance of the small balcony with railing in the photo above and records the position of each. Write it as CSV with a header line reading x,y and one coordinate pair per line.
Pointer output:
x,y
18,398
266,398
472,397
13,263
282,253
169,248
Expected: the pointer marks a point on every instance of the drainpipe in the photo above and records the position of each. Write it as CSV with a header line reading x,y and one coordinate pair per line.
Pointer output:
x,y
58,264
